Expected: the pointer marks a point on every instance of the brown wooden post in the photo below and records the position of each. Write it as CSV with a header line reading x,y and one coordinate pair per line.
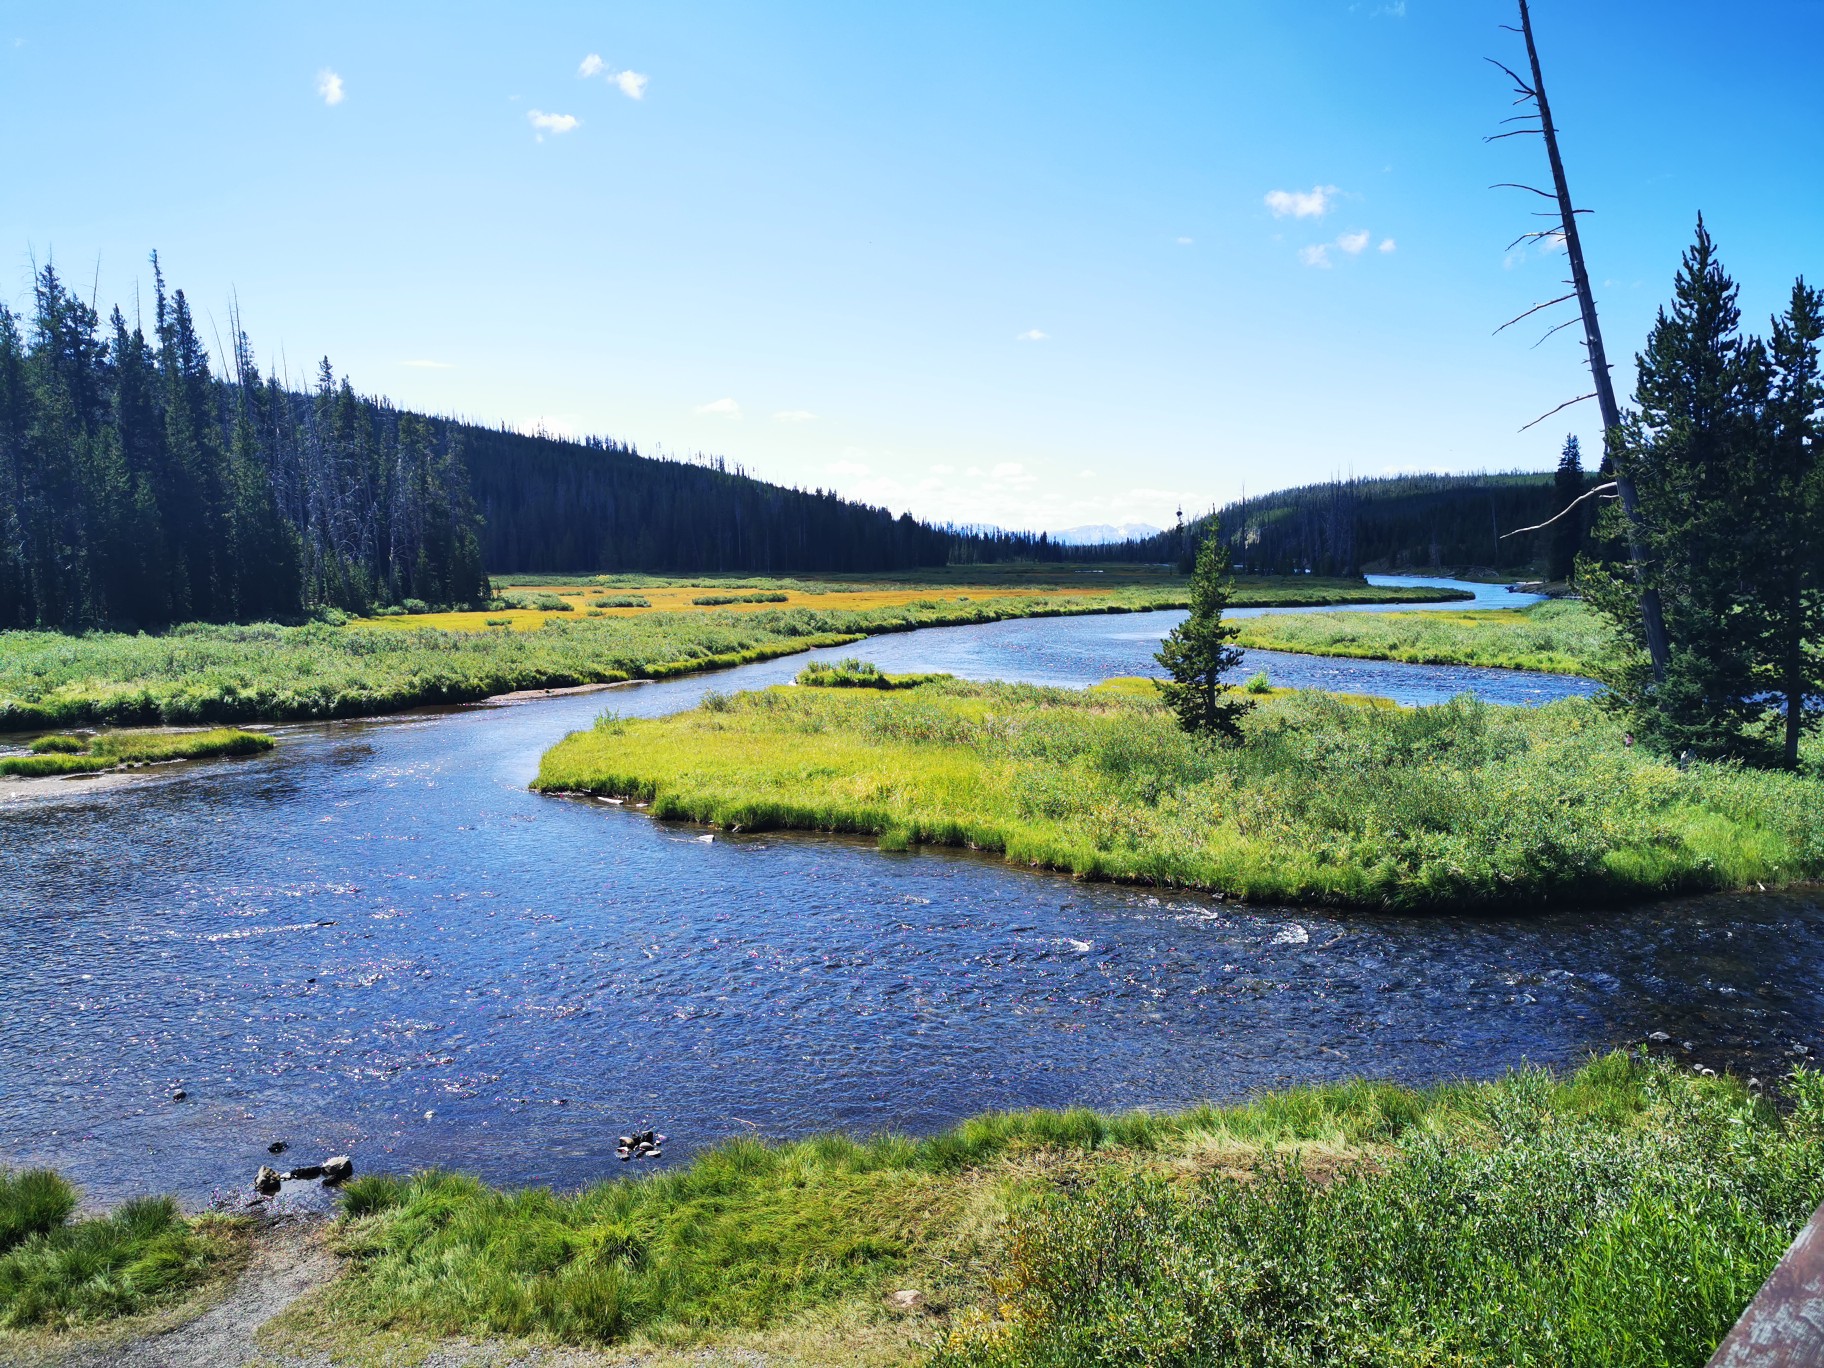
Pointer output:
x,y
1783,1326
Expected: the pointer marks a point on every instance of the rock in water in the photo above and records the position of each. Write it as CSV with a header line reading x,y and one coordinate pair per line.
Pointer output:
x,y
277,1147
178,1095
303,1173
266,1181
338,1169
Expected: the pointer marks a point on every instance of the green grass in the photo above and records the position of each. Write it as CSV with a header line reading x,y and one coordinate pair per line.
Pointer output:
x,y
262,672
54,755
1557,1238
60,1274
721,600
1328,801
1623,1214
621,601
850,673
1561,637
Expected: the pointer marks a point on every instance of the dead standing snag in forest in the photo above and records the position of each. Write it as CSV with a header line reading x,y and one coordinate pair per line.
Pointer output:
x,y
1652,619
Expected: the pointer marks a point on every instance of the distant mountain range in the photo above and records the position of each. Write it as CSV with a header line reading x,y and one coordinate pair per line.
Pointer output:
x,y
1099,534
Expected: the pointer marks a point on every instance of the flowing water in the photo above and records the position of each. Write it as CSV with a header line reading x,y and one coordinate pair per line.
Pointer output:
x,y
376,941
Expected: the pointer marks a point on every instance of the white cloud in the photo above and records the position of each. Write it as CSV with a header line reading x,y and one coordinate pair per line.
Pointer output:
x,y
1312,203
1185,241
430,365
1033,335
721,408
632,84
551,123
794,416
1316,255
329,86
1354,243
1388,245
848,468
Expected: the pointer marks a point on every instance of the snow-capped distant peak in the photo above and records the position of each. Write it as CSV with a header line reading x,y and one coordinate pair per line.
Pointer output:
x,y
1095,534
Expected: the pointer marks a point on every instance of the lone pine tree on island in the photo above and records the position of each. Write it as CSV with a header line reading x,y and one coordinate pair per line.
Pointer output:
x,y
1200,650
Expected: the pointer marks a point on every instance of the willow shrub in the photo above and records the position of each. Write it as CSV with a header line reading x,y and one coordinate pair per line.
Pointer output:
x,y
1559,1239
1325,800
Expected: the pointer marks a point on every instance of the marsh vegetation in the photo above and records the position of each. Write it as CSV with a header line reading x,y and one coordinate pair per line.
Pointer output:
x,y
1325,800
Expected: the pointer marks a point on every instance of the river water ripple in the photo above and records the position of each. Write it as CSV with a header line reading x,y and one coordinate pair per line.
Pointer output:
x,y
377,941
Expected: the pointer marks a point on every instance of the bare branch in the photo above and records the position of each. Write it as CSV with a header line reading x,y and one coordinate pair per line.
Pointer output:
x,y
1528,237
1514,185
1513,76
1560,328
1601,489
1560,409
1515,133
1530,312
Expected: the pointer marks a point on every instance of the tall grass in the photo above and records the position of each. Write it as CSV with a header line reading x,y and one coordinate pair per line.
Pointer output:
x,y
1600,1217
1555,1239
203,673
57,1273
1559,637
1326,800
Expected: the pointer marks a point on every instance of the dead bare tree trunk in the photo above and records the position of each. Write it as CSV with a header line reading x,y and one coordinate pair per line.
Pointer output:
x,y
1652,617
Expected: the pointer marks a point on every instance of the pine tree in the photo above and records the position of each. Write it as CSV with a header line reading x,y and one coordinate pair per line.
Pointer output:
x,y
1568,532
1198,652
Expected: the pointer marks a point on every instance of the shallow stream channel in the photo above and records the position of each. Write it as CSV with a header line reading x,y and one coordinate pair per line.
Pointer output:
x,y
376,941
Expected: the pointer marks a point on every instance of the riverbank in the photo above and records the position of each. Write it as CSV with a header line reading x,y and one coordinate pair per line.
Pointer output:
x,y
1557,637
1327,802
54,756
1528,1219
268,673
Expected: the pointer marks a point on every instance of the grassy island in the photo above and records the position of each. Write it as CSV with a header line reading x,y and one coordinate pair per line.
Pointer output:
x,y
1560,637
1621,1215
263,672
1328,800
54,755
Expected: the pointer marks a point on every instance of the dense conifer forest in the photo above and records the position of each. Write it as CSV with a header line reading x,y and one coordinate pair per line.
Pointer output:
x,y
599,506
139,488
1399,523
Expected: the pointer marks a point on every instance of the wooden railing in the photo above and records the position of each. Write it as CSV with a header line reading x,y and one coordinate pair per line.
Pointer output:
x,y
1783,1326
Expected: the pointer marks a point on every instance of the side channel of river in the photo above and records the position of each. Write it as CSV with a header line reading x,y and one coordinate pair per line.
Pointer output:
x,y
377,941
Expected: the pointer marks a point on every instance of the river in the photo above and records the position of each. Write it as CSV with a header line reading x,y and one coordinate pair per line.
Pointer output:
x,y
376,941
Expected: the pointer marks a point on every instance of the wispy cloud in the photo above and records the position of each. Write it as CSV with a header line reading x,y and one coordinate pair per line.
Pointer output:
x,y
553,124
1033,335
1312,203
1389,246
721,408
794,416
1185,241
329,87
430,365
1354,243
632,84
1318,254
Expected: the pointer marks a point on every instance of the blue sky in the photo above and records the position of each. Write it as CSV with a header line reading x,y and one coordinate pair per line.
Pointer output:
x,y
1035,264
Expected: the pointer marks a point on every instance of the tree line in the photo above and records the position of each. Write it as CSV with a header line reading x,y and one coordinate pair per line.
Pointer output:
x,y
140,488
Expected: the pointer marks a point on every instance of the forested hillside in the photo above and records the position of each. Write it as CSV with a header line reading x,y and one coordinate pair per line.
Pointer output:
x,y
1400,523
598,506
139,488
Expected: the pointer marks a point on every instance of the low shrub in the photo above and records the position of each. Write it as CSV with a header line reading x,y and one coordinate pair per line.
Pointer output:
x,y
722,600
622,601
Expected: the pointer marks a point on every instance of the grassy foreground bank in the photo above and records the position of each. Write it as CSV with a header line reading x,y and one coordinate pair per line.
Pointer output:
x,y
61,1272
1326,801
1560,637
1621,1215
263,672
